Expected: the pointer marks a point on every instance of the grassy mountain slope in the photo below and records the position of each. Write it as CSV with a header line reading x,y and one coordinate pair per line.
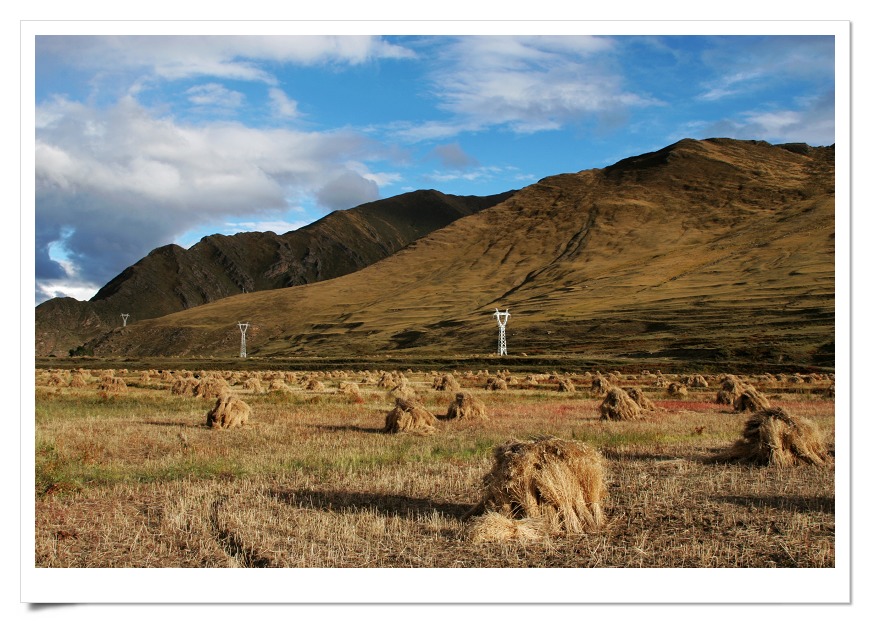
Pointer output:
x,y
713,250
172,279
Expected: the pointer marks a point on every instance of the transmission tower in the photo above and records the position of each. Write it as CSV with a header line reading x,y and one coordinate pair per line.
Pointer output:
x,y
243,327
124,318
501,318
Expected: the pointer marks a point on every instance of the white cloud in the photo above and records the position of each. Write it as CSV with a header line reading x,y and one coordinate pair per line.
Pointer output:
x,y
214,95
128,181
812,123
530,84
282,105
230,57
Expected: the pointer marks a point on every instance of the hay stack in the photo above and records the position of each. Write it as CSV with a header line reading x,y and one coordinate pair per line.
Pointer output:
x,y
678,390
55,380
732,387
183,387
77,380
600,385
404,391
253,384
495,383
775,437
409,416
388,379
466,407
113,384
447,383
751,400
277,385
696,380
636,394
618,405
565,385
351,390
314,386
228,412
210,388
549,485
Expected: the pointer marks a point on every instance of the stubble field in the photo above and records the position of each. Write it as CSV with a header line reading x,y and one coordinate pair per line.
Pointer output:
x,y
133,477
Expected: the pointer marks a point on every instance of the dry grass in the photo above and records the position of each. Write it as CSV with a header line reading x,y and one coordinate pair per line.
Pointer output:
x,y
139,480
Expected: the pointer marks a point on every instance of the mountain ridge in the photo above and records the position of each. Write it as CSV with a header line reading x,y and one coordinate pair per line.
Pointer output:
x,y
710,249
171,278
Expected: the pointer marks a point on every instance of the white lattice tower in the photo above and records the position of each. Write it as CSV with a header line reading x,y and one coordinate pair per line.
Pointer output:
x,y
124,318
243,327
501,318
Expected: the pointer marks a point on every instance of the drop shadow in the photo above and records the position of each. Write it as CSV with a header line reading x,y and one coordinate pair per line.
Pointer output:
x,y
385,504
170,424
349,428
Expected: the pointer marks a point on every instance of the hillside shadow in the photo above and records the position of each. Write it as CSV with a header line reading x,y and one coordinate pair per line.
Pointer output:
x,y
804,503
346,501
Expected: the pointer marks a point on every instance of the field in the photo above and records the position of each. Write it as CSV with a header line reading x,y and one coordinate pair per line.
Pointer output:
x,y
134,477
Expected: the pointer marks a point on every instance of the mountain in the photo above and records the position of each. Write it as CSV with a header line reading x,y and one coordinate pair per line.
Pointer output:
x,y
713,250
172,279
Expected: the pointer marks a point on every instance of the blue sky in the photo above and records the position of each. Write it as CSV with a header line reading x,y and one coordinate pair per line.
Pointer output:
x,y
148,140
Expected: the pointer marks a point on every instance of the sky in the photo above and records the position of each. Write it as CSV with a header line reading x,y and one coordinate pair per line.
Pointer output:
x,y
143,141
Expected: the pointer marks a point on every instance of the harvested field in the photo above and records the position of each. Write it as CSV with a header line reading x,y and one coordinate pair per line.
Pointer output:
x,y
137,479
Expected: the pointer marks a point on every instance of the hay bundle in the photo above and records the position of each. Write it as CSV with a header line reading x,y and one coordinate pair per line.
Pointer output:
x,y
290,377
797,379
351,390
636,394
696,380
55,380
565,385
228,412
447,383
775,437
661,381
495,527
77,380
732,387
600,385
253,384
145,377
531,379
403,391
183,387
678,390
409,416
278,385
466,407
495,383
388,379
113,384
166,375
548,485
210,388
314,386
618,405
751,400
